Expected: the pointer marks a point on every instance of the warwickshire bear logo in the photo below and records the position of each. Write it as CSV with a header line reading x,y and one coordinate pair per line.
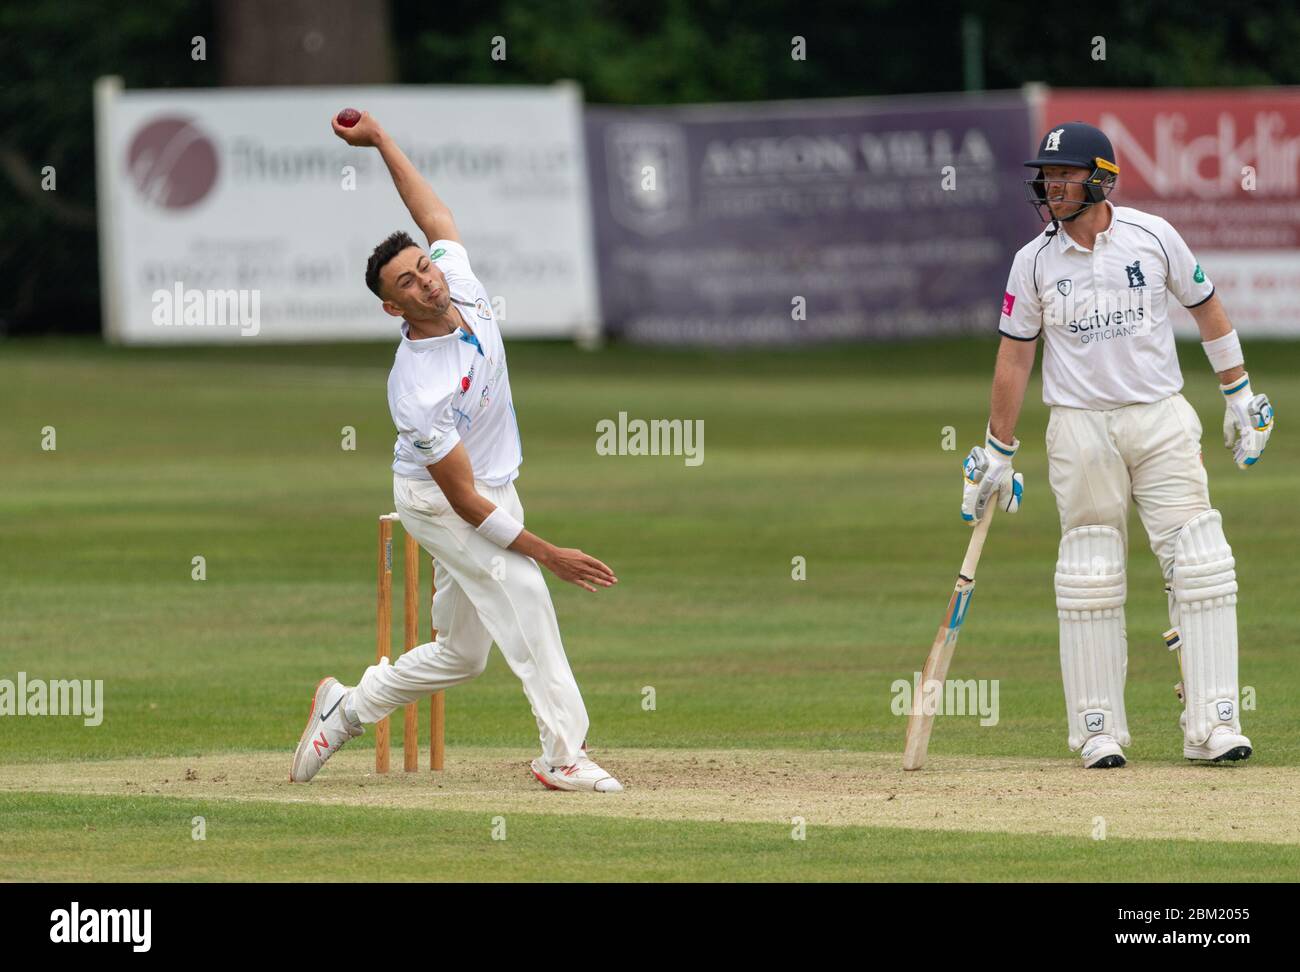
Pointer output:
x,y
1135,278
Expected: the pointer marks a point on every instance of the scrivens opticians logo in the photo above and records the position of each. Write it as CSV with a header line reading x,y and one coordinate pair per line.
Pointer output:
x,y
1102,316
1091,322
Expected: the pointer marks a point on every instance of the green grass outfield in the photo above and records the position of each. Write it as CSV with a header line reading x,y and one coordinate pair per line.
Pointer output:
x,y
834,455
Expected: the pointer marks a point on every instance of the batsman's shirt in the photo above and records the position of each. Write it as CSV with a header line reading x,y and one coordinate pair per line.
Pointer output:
x,y
1103,313
455,388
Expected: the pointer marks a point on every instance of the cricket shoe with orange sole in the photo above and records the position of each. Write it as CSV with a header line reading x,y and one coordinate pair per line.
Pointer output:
x,y
582,775
327,730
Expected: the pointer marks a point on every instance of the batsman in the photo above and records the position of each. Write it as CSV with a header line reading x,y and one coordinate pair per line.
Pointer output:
x,y
1096,285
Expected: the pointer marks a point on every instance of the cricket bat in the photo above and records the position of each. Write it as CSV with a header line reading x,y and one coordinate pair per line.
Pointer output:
x,y
936,665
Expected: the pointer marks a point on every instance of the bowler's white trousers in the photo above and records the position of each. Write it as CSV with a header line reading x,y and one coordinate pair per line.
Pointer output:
x,y
1150,451
485,593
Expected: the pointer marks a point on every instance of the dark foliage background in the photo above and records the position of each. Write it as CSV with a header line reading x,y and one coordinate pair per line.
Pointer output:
x,y
654,51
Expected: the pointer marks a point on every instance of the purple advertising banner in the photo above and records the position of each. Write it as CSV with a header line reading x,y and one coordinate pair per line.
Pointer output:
x,y
792,222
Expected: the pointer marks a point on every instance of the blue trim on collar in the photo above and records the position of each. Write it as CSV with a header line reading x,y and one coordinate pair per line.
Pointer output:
x,y
471,339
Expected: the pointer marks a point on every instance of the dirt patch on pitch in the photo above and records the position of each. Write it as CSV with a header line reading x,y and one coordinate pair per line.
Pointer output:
x,y
1219,803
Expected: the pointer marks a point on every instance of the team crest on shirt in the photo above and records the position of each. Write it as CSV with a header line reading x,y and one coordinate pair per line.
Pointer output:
x,y
483,309
1135,278
1065,286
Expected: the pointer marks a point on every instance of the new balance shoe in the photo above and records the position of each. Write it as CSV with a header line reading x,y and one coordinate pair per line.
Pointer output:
x,y
327,730
582,775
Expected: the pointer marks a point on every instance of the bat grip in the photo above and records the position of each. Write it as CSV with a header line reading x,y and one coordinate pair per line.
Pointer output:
x,y
976,545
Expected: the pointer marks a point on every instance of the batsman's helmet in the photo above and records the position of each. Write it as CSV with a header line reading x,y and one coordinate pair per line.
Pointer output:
x,y
1078,144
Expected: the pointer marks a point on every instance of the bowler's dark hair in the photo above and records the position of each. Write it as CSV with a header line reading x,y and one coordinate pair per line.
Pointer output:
x,y
384,252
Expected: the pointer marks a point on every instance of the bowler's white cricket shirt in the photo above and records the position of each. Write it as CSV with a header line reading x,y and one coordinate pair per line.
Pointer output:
x,y
455,388
1103,313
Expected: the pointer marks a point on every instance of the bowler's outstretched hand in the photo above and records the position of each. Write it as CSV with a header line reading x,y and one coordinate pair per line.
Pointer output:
x,y
364,134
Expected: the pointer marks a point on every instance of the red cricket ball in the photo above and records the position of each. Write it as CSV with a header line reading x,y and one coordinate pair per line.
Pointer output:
x,y
348,117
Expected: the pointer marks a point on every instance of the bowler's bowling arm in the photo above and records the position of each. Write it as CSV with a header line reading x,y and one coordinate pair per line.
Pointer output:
x,y
426,208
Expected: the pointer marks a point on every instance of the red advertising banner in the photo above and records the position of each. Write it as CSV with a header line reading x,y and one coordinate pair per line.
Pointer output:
x,y
1223,166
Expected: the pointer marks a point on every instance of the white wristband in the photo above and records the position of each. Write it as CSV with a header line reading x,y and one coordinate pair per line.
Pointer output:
x,y
1240,387
500,527
995,443
1224,352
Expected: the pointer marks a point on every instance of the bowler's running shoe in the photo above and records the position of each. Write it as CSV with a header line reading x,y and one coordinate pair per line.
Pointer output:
x,y
327,730
1223,746
582,775
1102,752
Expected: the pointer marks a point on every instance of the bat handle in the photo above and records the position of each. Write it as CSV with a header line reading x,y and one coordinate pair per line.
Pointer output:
x,y
976,545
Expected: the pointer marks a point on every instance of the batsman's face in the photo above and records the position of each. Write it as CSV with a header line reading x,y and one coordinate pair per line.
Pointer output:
x,y
1063,185
413,284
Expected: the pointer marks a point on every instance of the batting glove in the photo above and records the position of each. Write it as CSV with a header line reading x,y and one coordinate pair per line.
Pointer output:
x,y
1247,423
987,471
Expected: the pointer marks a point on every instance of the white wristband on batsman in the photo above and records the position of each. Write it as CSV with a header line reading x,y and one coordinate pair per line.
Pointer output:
x,y
500,527
1224,352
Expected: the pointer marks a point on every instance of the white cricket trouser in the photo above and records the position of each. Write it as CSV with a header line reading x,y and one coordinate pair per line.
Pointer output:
x,y
485,593
1151,452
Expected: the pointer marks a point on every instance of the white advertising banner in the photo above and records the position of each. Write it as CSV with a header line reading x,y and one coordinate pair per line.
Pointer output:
x,y
229,214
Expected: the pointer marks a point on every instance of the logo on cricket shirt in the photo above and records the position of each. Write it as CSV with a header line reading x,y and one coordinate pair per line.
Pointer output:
x,y
1199,275
1135,278
486,395
468,380
1065,286
483,309
1008,302
429,444
441,251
